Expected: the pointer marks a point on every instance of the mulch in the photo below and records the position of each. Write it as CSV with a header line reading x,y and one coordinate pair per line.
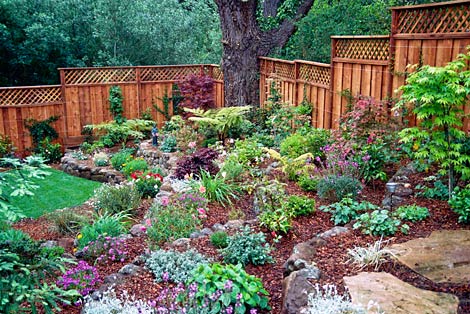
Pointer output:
x,y
330,259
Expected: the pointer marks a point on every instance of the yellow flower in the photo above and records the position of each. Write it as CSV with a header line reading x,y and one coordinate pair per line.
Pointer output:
x,y
75,249
415,146
79,236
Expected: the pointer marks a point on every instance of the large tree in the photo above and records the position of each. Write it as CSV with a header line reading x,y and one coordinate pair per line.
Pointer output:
x,y
253,28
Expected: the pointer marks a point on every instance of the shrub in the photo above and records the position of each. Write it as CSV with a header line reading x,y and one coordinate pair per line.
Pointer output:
x,y
137,164
346,210
170,222
112,133
300,205
310,141
248,152
460,203
246,247
197,91
147,183
412,213
115,104
6,146
247,290
216,188
379,223
114,199
174,266
108,225
232,169
51,152
278,220
120,158
106,249
335,187
101,159
219,239
372,255
82,277
439,191
308,182
169,144
236,213
41,130
192,164
67,221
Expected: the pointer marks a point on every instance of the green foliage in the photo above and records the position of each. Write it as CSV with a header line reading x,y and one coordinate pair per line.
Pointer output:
x,y
41,130
101,159
459,203
300,205
219,239
107,225
248,152
346,210
120,158
308,182
217,188
233,169
67,221
6,146
305,141
170,222
115,104
277,220
246,247
440,191
137,164
379,223
177,267
166,106
147,183
117,199
412,213
112,133
51,152
169,144
211,278
221,119
438,96
26,274
335,187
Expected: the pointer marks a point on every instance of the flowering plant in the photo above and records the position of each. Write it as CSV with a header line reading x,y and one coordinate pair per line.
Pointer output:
x,y
82,277
147,183
106,248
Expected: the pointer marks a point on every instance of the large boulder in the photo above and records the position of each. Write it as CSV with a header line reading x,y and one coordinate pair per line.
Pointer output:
x,y
295,289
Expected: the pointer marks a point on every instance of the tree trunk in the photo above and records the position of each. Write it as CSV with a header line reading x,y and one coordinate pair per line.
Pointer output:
x,y
243,42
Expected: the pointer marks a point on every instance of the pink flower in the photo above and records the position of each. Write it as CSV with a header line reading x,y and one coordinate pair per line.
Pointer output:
x,y
201,211
165,201
148,222
143,228
192,144
202,189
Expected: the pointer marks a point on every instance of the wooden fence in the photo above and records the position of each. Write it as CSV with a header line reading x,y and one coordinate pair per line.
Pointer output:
x,y
82,98
375,66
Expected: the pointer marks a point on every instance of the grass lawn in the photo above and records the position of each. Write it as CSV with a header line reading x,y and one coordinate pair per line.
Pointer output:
x,y
58,190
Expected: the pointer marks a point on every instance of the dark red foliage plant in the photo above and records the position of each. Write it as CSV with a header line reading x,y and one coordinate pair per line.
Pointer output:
x,y
197,92
192,164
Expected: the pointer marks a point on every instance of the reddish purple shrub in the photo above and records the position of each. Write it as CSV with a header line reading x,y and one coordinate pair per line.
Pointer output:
x,y
197,91
192,164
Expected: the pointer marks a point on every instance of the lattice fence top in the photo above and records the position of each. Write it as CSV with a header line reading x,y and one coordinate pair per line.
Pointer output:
x,y
451,18
278,68
167,73
99,76
362,48
217,74
314,74
30,96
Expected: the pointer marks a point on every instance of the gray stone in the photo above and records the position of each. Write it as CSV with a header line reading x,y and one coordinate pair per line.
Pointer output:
x,y
67,243
207,231
114,279
138,230
184,243
49,244
196,235
443,257
394,200
295,290
218,227
130,270
166,186
394,296
69,256
234,224
405,171
310,272
333,232
251,222
302,255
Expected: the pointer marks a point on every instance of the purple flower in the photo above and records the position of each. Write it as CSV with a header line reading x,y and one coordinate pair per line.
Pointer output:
x,y
253,311
228,285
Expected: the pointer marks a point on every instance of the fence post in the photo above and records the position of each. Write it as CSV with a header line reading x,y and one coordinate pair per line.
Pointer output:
x,y
139,92
391,53
64,104
329,110
296,88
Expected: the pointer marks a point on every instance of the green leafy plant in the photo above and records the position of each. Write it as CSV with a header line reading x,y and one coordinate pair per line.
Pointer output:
x,y
137,164
166,106
305,141
216,188
117,199
300,205
147,183
115,104
412,213
439,191
379,222
6,146
308,182
459,203
107,225
211,278
51,152
248,152
169,144
174,266
120,158
277,220
40,130
335,187
246,247
346,210
236,213
101,159
112,133
438,96
67,221
219,239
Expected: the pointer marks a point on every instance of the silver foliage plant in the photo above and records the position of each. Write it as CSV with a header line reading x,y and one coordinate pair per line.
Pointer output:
x,y
374,254
109,303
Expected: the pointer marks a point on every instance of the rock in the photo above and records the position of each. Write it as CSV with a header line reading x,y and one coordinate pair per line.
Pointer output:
x,y
67,243
442,257
405,171
395,201
333,232
49,244
397,297
130,270
138,230
166,186
251,222
295,290
184,243
196,235
302,255
234,224
113,279
69,256
402,191
218,227
207,231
